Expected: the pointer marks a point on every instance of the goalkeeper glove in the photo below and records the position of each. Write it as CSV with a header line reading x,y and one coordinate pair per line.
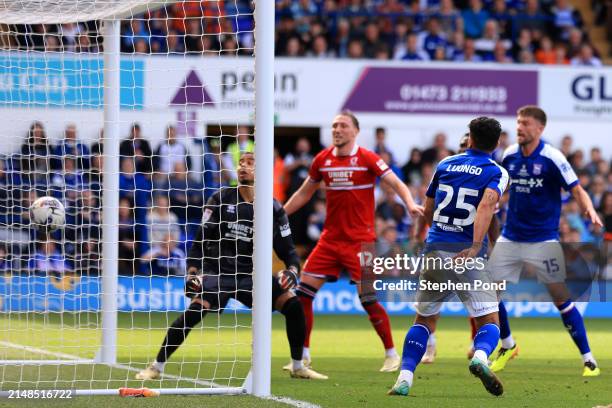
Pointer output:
x,y
288,278
193,286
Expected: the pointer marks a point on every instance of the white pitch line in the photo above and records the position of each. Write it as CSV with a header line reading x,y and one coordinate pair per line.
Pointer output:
x,y
284,400
292,402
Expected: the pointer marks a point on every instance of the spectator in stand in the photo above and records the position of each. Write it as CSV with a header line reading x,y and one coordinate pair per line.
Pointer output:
x,y
242,144
161,220
565,17
561,55
67,183
474,19
71,146
215,172
523,43
413,52
165,258
7,262
433,38
586,58
388,159
280,177
504,143
500,53
371,42
546,54
469,52
595,159
320,48
576,159
597,189
294,48
297,165
48,260
501,14
36,154
316,220
575,41
342,38
136,187
127,238
486,45
384,209
566,146
399,37
380,147
526,57
438,151
138,150
169,152
450,19
355,49
186,197
10,195
531,18
411,171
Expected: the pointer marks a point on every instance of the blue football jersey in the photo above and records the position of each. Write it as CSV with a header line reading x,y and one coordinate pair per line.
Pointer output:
x,y
535,192
457,188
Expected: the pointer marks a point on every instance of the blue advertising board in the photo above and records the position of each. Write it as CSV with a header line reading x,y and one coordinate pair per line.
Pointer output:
x,y
65,81
161,294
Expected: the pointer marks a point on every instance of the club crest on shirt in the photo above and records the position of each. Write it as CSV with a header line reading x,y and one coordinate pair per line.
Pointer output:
x,y
537,169
231,209
354,161
327,162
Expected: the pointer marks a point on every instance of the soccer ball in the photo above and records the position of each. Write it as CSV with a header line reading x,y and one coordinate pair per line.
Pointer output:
x,y
48,213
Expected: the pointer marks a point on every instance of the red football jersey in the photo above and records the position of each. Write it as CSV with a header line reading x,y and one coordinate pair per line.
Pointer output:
x,y
349,182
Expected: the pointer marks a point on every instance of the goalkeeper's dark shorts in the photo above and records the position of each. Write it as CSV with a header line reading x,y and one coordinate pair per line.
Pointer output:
x,y
217,290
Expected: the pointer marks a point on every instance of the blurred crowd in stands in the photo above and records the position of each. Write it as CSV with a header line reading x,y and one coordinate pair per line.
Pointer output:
x,y
502,31
162,197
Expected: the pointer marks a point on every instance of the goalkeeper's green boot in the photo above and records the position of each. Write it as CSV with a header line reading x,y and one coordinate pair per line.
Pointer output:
x,y
503,356
488,377
401,387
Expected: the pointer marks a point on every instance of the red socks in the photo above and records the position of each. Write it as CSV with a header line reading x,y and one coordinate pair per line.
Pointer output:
x,y
380,321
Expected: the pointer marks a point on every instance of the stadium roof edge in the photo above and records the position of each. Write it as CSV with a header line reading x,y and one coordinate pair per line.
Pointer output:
x,y
73,11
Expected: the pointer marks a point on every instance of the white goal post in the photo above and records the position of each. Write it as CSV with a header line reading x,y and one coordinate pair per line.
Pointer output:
x,y
111,13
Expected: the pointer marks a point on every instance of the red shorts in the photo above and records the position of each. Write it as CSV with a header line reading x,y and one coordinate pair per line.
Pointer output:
x,y
329,258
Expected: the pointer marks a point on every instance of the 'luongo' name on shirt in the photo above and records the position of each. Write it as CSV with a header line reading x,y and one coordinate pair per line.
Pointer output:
x,y
465,168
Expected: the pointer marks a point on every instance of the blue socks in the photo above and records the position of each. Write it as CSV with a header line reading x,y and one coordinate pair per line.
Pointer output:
x,y
504,324
572,320
415,346
486,339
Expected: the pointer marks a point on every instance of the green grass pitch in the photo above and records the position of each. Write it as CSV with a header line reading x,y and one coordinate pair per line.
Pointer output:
x,y
547,372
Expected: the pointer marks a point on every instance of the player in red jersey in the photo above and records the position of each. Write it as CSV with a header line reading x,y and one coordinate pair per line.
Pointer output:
x,y
349,173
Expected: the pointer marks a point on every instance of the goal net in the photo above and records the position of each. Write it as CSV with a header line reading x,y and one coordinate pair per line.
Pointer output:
x,y
132,114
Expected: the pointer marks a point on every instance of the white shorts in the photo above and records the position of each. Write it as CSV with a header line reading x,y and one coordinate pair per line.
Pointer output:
x,y
477,302
544,259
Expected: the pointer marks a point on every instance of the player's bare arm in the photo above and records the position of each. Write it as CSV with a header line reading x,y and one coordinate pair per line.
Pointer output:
x,y
585,203
302,196
484,214
391,180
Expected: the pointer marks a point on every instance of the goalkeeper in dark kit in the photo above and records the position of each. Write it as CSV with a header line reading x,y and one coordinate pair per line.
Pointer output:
x,y
220,267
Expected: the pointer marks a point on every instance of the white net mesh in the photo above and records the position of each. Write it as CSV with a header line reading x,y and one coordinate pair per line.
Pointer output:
x,y
186,95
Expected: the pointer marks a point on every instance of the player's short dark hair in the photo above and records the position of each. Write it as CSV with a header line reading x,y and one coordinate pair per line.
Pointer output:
x,y
247,153
485,133
352,116
532,111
